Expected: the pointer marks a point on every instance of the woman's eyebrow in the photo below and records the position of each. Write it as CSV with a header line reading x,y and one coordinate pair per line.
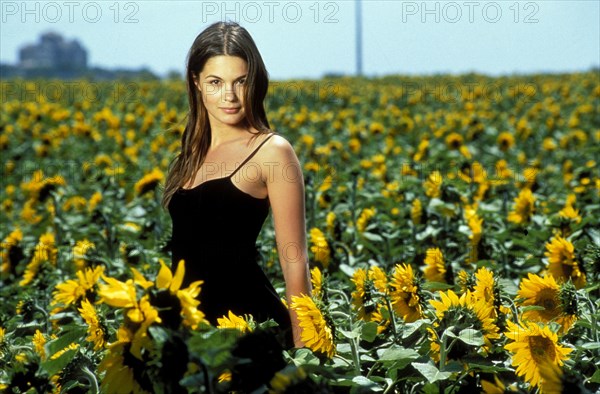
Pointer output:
x,y
216,76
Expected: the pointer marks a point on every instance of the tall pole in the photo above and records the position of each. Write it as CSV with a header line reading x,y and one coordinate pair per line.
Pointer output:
x,y
358,13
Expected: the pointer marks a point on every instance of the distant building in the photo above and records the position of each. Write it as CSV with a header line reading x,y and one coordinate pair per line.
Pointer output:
x,y
54,57
53,52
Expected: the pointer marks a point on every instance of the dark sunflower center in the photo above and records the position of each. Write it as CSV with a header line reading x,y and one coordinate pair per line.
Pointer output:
x,y
549,300
567,268
541,348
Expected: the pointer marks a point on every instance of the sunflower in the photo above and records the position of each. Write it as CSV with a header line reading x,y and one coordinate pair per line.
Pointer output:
x,y
69,347
40,186
561,261
466,281
317,331
569,212
505,141
435,270
475,224
94,200
320,247
316,279
533,345
461,313
405,293
45,251
118,368
10,251
149,181
523,207
80,251
224,376
421,150
472,172
39,341
96,329
165,279
495,387
140,319
454,141
330,219
416,211
486,288
72,291
116,293
285,380
234,321
433,185
546,293
365,297
484,285
551,378
364,217
503,172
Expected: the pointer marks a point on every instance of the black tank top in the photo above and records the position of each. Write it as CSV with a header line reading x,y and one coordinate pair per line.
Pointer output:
x,y
215,227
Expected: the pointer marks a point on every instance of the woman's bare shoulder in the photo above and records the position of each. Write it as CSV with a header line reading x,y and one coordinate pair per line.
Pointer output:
x,y
278,147
279,154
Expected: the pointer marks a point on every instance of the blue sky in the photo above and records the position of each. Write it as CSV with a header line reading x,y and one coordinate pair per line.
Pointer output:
x,y
305,39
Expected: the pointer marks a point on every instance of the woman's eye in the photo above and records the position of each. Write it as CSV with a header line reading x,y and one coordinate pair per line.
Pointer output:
x,y
242,81
214,82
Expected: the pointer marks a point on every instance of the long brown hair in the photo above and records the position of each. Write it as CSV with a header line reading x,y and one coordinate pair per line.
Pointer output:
x,y
220,38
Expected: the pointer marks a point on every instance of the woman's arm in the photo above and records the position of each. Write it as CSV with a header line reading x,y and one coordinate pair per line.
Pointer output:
x,y
285,184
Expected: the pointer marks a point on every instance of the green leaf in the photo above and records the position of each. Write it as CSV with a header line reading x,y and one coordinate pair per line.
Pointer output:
x,y
364,382
398,353
471,337
305,356
411,328
58,364
435,286
595,377
369,331
346,269
372,237
431,373
350,334
214,346
487,367
591,345
69,335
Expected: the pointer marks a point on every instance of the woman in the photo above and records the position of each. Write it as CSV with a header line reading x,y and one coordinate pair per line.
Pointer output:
x,y
230,170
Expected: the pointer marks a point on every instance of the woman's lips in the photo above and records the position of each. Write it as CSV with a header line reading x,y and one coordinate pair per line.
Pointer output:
x,y
231,110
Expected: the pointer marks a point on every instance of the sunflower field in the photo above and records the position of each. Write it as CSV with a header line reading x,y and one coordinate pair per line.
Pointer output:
x,y
453,226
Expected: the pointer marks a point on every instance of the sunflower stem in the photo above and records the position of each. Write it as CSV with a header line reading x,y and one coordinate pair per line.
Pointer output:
x,y
55,218
345,248
355,357
46,316
91,378
445,350
335,356
388,388
335,291
392,320
593,317
353,206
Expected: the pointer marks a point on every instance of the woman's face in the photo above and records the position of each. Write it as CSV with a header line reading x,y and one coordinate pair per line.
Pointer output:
x,y
221,83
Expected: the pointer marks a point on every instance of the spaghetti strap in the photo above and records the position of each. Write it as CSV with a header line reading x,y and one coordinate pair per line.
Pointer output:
x,y
251,154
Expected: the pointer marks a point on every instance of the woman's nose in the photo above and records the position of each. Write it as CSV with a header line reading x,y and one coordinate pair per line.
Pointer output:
x,y
230,95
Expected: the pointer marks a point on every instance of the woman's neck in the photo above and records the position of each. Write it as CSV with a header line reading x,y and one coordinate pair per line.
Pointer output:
x,y
222,134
